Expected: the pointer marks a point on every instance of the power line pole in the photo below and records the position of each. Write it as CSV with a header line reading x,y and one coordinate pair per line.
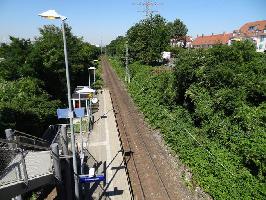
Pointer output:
x,y
101,47
127,77
148,5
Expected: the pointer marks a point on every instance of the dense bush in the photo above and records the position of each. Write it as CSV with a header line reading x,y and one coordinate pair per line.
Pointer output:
x,y
32,77
25,106
211,111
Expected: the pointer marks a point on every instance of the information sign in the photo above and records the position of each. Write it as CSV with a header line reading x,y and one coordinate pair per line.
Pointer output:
x,y
87,179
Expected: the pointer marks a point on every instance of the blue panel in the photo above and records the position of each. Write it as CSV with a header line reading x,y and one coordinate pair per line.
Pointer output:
x,y
87,179
63,113
79,112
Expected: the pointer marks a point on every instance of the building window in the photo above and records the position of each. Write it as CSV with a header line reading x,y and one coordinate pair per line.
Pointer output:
x,y
252,28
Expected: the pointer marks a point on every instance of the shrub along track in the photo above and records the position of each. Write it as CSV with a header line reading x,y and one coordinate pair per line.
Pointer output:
x,y
151,172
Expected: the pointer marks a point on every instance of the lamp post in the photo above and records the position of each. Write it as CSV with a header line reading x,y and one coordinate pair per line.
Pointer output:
x,y
52,14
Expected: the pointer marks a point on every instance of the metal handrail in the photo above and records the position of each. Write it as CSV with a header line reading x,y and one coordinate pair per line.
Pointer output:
x,y
21,161
23,144
30,136
58,133
31,141
18,143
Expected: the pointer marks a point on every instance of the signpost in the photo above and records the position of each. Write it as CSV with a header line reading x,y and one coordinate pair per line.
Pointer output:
x,y
87,179
65,113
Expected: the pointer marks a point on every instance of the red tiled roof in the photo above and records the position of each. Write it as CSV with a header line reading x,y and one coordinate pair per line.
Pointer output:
x,y
259,26
212,39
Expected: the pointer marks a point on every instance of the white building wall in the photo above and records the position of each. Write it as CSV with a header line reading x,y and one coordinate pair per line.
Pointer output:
x,y
261,43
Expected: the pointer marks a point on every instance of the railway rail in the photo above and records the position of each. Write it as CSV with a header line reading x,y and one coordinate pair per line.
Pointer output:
x,y
151,175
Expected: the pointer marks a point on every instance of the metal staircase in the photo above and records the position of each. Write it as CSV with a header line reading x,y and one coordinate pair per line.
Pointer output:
x,y
26,163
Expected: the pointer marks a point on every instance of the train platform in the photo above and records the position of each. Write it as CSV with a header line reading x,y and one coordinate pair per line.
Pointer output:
x,y
103,145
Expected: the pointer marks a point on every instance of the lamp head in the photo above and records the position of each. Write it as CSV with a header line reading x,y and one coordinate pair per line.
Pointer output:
x,y
52,14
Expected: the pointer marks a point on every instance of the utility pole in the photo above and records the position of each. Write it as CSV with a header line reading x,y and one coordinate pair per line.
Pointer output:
x,y
127,77
148,4
101,47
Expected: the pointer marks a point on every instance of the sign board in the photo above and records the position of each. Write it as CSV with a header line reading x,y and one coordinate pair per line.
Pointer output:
x,y
87,179
64,113
79,112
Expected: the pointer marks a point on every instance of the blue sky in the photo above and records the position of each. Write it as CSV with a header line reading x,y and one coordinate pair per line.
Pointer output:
x,y
106,19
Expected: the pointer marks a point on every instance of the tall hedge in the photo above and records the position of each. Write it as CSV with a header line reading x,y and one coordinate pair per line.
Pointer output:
x,y
211,111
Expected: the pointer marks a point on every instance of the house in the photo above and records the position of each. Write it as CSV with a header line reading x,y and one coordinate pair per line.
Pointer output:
x,y
183,42
254,31
210,40
252,28
261,42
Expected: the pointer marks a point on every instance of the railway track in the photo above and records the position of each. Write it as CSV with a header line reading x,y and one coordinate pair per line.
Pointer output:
x,y
151,175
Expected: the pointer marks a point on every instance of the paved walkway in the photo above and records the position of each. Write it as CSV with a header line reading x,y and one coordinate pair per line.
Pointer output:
x,y
104,145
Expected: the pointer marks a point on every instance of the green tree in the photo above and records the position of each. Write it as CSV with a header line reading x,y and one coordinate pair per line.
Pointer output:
x,y
148,39
117,47
32,77
25,106
14,64
47,57
178,30
211,110
224,89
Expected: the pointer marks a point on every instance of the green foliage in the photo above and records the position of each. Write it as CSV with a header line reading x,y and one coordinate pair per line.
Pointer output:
x,y
175,51
33,196
211,112
178,30
117,47
147,39
15,55
25,106
47,57
32,77
99,81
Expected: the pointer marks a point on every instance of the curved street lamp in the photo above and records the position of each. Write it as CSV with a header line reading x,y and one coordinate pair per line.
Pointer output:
x,y
52,14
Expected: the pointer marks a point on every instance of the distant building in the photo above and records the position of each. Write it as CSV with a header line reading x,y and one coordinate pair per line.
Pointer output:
x,y
210,40
254,31
184,42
